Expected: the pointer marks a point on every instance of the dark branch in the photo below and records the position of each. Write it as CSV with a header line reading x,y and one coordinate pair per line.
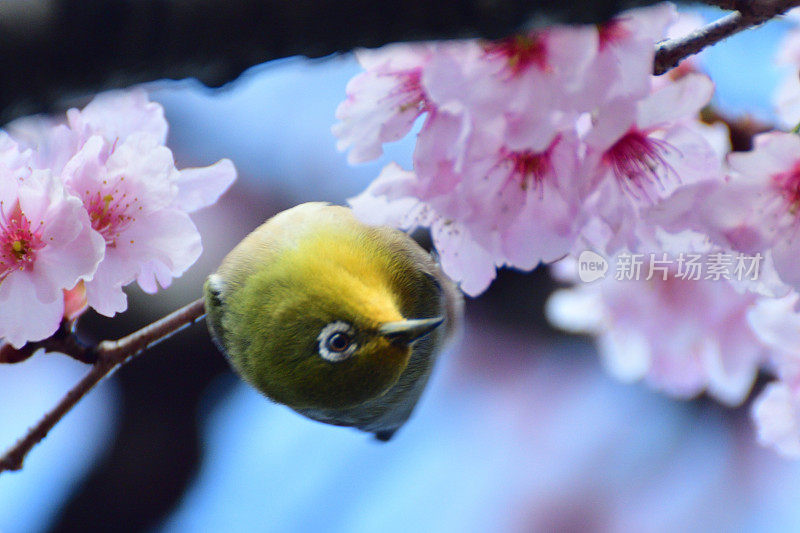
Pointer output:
x,y
57,48
109,356
64,340
752,13
732,5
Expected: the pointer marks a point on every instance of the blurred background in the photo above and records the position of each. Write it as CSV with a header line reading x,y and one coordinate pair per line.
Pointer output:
x,y
519,430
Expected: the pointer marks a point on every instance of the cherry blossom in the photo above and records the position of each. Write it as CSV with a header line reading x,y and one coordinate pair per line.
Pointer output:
x,y
557,140
46,246
697,340
643,151
495,207
75,302
522,137
533,81
127,192
387,201
776,412
90,205
111,155
754,209
119,114
202,186
786,98
383,102
626,47
115,116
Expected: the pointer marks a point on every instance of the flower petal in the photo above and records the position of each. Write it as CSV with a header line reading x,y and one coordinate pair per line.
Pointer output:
x,y
201,187
23,316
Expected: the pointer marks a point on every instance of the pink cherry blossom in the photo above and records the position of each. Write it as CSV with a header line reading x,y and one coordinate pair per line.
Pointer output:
x,y
681,336
196,188
46,246
757,208
115,116
127,191
626,47
50,142
776,412
707,207
387,201
383,102
487,206
786,98
75,302
776,321
526,140
118,115
522,205
644,151
644,146
532,80
727,214
111,155
202,186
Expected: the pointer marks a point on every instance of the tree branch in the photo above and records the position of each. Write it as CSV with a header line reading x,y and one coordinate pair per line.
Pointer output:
x,y
109,356
64,340
671,52
50,49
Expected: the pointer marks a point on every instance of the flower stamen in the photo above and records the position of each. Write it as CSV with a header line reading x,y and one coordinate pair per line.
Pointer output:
x,y
521,52
636,159
529,168
109,210
19,241
788,184
612,32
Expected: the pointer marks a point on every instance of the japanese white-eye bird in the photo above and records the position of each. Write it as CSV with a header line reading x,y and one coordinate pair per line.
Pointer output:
x,y
338,320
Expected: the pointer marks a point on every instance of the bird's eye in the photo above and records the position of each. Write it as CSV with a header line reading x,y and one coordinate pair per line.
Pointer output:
x,y
336,341
339,342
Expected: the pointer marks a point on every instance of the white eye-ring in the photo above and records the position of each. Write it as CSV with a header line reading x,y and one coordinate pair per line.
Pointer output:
x,y
337,341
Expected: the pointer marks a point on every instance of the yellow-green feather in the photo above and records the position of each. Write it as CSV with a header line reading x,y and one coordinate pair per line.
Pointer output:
x,y
316,264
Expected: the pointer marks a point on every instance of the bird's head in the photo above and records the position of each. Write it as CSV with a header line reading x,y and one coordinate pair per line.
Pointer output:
x,y
324,326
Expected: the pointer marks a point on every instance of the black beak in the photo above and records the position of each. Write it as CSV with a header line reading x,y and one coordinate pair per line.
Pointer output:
x,y
407,331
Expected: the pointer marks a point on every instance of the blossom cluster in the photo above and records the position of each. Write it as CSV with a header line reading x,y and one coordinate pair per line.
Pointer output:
x,y
531,145
90,204
559,141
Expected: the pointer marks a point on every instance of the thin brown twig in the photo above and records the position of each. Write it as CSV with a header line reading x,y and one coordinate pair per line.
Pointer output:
x,y
673,51
64,340
44,43
110,355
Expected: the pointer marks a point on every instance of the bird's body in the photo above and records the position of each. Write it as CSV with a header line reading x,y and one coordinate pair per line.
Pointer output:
x,y
334,318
